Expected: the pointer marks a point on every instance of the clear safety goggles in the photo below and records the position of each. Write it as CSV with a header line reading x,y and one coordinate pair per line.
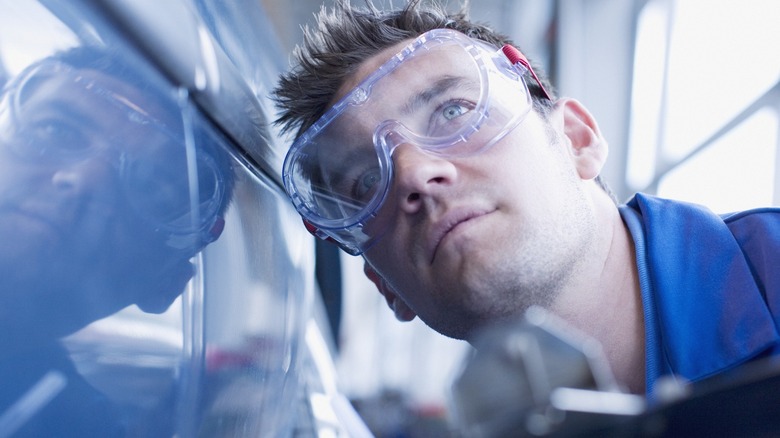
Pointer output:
x,y
445,93
176,189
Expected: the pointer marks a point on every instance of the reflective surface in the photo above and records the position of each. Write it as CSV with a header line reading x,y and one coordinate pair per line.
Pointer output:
x,y
152,281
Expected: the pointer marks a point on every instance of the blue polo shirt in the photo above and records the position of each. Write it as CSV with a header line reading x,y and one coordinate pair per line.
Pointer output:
x,y
710,285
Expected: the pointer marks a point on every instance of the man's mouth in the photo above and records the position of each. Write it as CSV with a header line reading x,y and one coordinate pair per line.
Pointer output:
x,y
48,220
447,224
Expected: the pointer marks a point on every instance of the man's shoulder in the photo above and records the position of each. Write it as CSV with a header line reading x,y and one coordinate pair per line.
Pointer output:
x,y
650,203
753,230
647,203
756,229
755,215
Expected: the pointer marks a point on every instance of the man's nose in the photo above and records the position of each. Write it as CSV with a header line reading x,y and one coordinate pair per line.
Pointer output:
x,y
420,176
91,175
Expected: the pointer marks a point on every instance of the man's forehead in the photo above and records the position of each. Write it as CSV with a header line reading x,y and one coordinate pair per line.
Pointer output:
x,y
399,92
425,65
367,67
93,90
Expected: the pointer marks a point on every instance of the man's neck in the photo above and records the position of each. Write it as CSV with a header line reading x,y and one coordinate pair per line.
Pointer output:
x,y
606,303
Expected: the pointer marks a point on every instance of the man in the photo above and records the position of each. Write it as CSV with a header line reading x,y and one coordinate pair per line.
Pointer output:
x,y
472,195
102,205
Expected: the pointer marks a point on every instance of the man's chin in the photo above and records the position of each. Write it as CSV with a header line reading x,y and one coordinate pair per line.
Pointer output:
x,y
161,295
156,306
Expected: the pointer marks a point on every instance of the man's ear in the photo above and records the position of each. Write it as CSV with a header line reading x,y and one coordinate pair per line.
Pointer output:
x,y
397,305
588,147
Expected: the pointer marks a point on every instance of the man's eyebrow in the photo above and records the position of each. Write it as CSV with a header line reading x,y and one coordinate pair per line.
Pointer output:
x,y
64,109
439,87
71,106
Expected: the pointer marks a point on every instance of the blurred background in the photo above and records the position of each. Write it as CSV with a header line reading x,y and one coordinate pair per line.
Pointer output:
x,y
685,91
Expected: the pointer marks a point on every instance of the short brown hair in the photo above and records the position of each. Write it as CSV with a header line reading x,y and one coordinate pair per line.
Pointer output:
x,y
345,36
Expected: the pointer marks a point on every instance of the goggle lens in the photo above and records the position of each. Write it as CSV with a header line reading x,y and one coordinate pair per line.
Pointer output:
x,y
445,93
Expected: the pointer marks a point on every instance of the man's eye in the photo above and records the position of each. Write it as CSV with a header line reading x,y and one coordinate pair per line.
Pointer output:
x,y
365,184
54,137
454,110
449,117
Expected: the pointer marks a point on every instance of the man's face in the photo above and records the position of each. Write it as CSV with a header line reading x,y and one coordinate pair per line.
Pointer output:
x,y
75,248
474,239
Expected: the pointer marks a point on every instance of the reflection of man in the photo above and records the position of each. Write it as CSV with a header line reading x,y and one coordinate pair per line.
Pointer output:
x,y
102,204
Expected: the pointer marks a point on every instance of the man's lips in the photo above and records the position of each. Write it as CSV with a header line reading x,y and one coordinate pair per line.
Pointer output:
x,y
49,219
446,224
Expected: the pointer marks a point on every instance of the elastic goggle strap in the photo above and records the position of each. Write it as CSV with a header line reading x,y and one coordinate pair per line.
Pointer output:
x,y
515,56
